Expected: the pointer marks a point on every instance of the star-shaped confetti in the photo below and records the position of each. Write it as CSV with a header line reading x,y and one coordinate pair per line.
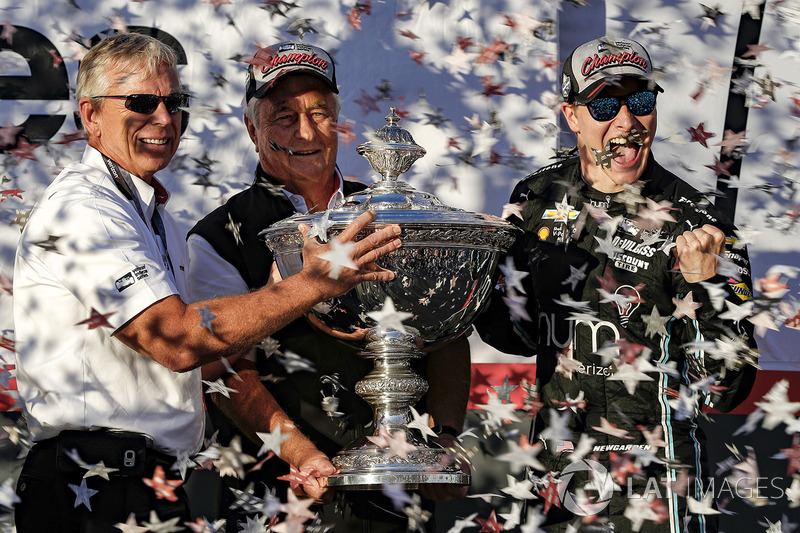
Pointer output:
x,y
685,307
235,228
792,454
611,429
483,140
164,488
602,158
82,494
417,516
296,478
513,276
320,227
218,386
8,497
732,141
293,362
490,524
100,469
655,323
206,317
397,493
339,256
576,275
272,441
156,525
49,244
777,407
461,524
498,411
389,316
700,135
516,305
131,526
232,459
421,424
97,320
522,455
394,444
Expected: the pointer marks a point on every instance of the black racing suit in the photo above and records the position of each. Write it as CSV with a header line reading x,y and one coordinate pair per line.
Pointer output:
x,y
634,276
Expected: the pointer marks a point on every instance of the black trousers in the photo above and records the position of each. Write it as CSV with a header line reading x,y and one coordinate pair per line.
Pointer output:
x,y
48,505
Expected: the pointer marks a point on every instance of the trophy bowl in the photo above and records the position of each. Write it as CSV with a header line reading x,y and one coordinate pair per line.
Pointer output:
x,y
443,276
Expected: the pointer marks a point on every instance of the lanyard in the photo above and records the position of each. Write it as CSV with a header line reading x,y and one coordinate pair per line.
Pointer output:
x,y
122,178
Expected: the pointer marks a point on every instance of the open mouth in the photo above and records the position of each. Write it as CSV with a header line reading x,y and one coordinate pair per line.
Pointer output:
x,y
626,150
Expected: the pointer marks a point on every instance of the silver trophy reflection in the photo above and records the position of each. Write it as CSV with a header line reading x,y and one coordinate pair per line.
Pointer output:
x,y
443,275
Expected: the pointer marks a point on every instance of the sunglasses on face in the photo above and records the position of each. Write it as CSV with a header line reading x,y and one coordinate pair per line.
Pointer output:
x,y
605,108
148,103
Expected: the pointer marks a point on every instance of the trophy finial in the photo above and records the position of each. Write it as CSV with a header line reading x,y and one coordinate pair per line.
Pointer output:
x,y
392,150
392,118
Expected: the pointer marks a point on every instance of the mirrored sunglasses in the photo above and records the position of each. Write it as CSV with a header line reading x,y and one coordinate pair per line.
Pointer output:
x,y
605,108
148,103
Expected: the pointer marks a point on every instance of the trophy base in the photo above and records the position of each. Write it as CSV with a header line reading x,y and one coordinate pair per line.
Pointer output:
x,y
369,468
408,480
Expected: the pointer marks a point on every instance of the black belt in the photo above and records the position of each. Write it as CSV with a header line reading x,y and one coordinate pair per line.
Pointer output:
x,y
125,453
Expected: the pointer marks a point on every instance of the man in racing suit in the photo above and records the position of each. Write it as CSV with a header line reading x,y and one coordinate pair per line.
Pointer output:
x,y
625,269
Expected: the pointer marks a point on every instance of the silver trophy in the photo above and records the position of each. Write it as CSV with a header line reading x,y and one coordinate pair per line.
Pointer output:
x,y
443,275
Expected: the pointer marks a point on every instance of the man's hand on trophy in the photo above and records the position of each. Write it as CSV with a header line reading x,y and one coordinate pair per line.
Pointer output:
x,y
356,335
446,491
344,263
317,467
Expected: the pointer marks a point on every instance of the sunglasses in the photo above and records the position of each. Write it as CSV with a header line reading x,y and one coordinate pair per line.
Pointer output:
x,y
148,103
606,108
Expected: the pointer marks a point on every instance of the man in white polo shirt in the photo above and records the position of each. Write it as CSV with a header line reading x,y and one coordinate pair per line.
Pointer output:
x,y
108,348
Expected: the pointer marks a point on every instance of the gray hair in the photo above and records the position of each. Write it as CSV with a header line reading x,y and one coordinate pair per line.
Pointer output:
x,y
126,52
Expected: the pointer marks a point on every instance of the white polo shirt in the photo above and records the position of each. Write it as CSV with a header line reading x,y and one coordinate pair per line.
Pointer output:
x,y
87,247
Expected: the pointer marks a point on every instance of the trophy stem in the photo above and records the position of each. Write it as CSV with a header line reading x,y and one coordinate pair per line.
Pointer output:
x,y
392,385
391,388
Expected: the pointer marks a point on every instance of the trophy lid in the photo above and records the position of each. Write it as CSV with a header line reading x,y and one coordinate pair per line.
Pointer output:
x,y
391,150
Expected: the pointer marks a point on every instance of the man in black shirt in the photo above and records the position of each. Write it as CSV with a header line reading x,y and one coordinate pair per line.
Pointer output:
x,y
628,268
291,115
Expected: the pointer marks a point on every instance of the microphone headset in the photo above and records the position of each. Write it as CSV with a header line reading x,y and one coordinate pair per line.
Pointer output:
x,y
278,148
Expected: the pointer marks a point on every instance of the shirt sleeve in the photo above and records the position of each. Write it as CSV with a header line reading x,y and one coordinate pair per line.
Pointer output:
x,y
90,244
209,275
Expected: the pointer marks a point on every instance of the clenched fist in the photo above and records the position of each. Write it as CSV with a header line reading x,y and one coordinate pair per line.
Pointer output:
x,y
697,252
